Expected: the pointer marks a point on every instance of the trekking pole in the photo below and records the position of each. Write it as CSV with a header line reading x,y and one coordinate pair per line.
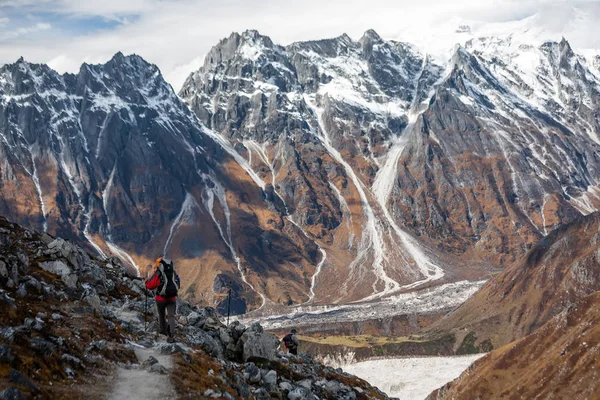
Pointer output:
x,y
146,306
145,310
228,303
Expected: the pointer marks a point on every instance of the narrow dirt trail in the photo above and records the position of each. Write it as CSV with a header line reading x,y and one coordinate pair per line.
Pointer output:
x,y
142,384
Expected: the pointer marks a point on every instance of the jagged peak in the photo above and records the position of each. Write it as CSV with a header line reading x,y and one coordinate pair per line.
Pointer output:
x,y
370,35
256,36
460,56
565,47
131,60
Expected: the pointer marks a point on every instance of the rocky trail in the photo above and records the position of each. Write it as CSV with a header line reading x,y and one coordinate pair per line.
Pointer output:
x,y
73,326
149,380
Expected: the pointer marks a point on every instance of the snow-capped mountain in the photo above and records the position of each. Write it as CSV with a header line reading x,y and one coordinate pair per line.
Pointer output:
x,y
112,158
321,172
371,143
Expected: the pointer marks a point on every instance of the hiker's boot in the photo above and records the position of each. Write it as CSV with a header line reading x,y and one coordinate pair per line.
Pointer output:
x,y
170,340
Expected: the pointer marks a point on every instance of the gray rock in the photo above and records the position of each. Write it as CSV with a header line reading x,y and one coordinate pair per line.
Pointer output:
x,y
252,373
193,318
19,379
11,394
57,317
94,301
71,359
9,301
170,348
3,270
70,280
261,394
150,361
38,324
224,336
158,369
332,386
42,346
6,355
33,284
69,372
56,267
208,343
212,323
306,383
212,394
300,393
235,330
270,378
259,344
22,291
286,386
241,386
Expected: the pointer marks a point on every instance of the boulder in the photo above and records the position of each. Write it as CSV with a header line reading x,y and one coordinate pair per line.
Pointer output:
x,y
22,291
262,394
252,373
19,379
150,361
235,330
200,338
212,323
70,280
6,355
3,270
94,301
56,267
286,386
270,378
300,393
11,394
306,384
158,369
256,343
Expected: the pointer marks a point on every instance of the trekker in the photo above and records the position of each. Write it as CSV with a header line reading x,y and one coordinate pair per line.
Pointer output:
x,y
166,282
290,341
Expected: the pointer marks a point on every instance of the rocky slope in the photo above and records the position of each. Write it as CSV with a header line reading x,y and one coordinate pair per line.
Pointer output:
x,y
480,157
73,326
558,360
556,274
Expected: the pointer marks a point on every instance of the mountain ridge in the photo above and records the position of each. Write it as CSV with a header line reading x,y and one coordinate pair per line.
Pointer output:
x,y
363,160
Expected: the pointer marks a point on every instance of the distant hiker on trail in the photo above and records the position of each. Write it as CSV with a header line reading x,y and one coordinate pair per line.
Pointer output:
x,y
290,341
166,282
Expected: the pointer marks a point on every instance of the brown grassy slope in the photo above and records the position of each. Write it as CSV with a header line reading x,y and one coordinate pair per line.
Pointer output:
x,y
558,271
558,361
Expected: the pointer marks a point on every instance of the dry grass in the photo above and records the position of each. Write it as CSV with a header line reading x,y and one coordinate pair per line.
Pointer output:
x,y
358,340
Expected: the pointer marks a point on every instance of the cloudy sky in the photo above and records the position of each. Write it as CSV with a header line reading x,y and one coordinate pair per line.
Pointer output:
x,y
175,34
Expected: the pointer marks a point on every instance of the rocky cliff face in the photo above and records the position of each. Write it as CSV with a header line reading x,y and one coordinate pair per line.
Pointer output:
x,y
370,144
321,172
73,326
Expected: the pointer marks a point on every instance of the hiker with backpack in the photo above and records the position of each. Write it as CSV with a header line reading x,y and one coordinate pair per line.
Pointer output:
x,y
166,282
290,341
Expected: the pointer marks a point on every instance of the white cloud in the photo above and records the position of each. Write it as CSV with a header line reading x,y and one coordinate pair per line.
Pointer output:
x,y
174,34
11,34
